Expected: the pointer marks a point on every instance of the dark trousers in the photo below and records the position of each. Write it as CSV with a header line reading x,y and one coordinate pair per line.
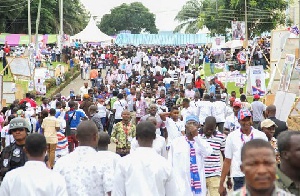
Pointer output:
x,y
201,91
256,124
220,126
238,182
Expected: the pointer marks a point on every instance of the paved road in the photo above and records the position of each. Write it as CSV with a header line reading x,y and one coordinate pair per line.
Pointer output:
x,y
75,85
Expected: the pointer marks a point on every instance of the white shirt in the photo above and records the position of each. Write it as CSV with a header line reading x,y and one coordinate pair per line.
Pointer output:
x,y
234,146
179,157
110,156
189,93
232,123
220,111
174,129
186,112
159,145
83,90
9,138
101,110
144,172
195,104
119,106
34,178
85,172
205,109
188,78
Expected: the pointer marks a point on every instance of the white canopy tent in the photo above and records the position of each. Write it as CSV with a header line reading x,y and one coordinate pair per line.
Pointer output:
x,y
91,33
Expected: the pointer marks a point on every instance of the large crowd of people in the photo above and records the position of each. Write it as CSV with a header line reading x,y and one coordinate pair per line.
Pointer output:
x,y
175,131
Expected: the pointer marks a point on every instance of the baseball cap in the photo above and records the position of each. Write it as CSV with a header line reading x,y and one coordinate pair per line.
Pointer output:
x,y
72,95
256,96
192,118
267,123
86,96
237,104
243,113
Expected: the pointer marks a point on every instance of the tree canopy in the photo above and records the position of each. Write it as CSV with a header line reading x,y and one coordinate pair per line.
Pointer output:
x,y
134,17
216,15
14,16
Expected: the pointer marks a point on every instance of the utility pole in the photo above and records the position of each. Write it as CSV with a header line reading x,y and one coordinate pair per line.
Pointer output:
x,y
61,17
29,23
37,28
246,34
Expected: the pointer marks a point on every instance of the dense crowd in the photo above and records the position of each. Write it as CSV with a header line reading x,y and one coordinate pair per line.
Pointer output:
x,y
176,131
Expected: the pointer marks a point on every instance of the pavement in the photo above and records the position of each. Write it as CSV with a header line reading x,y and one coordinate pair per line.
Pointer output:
x,y
75,86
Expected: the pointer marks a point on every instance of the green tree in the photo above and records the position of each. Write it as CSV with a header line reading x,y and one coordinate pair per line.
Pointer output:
x,y
262,15
216,15
134,17
14,16
188,17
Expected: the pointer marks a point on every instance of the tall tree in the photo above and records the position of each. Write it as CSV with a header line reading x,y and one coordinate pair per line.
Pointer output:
x,y
216,15
262,15
188,17
134,17
14,16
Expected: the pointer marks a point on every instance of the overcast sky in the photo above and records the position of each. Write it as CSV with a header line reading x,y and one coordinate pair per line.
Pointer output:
x,y
165,10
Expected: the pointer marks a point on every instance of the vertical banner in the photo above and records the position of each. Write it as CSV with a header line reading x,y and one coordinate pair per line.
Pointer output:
x,y
238,30
257,80
286,72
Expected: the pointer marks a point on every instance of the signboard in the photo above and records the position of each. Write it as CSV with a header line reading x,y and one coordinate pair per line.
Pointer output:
x,y
19,66
257,80
284,103
238,30
217,42
286,72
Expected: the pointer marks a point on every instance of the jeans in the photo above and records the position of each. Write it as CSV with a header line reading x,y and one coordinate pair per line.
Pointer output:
x,y
212,68
103,122
238,182
51,153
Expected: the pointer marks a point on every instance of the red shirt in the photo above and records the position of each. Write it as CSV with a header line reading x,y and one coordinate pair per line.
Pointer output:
x,y
199,83
32,102
219,83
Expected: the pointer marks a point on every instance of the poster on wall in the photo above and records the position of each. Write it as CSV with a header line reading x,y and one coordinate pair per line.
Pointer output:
x,y
238,30
257,79
286,72
40,89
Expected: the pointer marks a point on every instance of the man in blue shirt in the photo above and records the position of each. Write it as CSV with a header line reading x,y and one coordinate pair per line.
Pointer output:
x,y
212,88
73,118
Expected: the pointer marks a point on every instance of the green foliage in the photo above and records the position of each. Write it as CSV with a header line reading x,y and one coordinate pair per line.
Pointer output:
x,y
216,15
13,16
188,17
134,17
263,15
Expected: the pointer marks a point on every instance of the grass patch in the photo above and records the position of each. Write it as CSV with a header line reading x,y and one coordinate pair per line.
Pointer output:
x,y
230,85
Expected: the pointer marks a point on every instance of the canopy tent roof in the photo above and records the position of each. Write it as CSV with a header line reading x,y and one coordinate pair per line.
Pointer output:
x,y
91,33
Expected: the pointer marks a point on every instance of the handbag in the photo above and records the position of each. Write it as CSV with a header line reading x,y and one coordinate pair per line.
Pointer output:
x,y
68,127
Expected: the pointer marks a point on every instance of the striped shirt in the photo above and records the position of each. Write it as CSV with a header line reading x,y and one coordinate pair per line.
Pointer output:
x,y
212,163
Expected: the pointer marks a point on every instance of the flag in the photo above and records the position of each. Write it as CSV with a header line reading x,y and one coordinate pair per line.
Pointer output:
x,y
295,30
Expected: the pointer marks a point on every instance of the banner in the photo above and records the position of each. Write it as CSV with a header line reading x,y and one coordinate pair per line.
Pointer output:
x,y
286,72
257,80
238,30
217,42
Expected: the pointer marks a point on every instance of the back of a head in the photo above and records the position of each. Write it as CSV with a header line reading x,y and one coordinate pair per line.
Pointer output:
x,y
255,144
145,131
206,97
36,145
86,130
52,112
271,109
283,140
104,139
243,98
71,104
218,96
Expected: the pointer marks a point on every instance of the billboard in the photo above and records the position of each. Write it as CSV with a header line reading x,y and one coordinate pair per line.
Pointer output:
x,y
238,30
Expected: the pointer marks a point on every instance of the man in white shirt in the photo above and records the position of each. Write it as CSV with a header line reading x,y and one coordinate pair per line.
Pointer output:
x,y
34,178
188,77
84,89
186,109
205,109
187,155
159,143
84,171
233,147
189,92
103,152
195,102
118,107
144,172
231,122
220,112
